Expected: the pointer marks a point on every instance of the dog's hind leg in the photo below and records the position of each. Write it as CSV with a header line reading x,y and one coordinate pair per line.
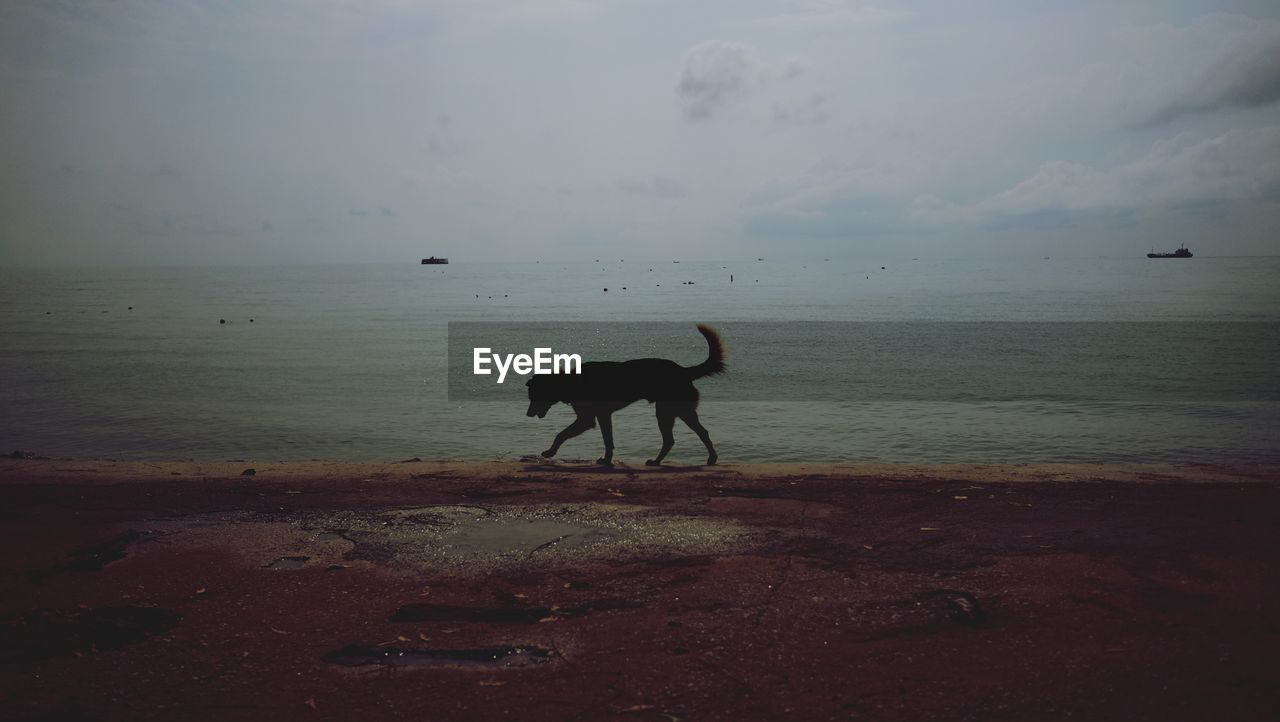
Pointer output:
x,y
690,417
666,422
579,425
606,432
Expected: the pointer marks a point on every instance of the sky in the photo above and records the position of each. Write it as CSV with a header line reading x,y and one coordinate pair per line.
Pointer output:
x,y
164,132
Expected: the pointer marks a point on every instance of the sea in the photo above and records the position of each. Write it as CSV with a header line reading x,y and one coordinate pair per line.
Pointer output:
x,y
829,360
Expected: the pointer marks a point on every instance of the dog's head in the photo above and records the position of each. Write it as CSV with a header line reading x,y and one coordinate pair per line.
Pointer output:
x,y
542,396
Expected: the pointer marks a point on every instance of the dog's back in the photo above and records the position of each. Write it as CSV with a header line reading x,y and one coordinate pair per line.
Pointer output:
x,y
651,379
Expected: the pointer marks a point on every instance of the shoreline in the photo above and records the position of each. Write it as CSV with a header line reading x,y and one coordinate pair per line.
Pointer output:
x,y
491,590
47,469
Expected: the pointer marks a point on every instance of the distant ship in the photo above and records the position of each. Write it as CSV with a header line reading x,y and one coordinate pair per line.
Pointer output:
x,y
1182,252
433,260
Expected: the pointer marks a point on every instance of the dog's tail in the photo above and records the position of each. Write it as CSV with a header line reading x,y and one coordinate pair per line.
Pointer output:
x,y
715,355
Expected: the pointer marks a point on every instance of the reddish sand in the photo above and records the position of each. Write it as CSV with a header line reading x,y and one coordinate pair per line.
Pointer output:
x,y
188,591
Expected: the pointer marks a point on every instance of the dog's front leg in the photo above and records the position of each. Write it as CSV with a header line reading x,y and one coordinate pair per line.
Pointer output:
x,y
579,425
606,431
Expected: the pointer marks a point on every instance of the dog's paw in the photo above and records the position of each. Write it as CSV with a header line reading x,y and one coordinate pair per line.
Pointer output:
x,y
604,462
711,460
548,453
653,462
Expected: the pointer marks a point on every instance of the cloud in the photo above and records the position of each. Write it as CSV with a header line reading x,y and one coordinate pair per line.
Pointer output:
x,y
1175,174
802,112
837,199
831,184
166,223
715,72
828,118
847,220
656,187
828,13
1248,77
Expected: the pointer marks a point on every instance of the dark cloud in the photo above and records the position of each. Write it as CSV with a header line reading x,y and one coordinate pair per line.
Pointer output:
x,y
1249,77
714,73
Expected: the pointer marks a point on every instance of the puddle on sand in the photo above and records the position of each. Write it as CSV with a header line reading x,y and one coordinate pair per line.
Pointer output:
x,y
504,657
470,539
289,563
488,536
476,539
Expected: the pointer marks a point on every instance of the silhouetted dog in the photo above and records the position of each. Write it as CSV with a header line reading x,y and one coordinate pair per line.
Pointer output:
x,y
604,387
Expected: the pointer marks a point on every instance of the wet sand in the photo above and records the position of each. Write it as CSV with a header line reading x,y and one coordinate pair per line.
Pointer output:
x,y
531,591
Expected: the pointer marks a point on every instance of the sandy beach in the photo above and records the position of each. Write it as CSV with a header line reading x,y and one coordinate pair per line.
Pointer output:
x,y
554,591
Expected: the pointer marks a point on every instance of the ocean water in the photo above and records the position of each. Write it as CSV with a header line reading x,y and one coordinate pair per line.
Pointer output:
x,y
350,362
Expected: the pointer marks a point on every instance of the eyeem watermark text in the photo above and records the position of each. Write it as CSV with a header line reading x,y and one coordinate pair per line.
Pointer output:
x,y
543,361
